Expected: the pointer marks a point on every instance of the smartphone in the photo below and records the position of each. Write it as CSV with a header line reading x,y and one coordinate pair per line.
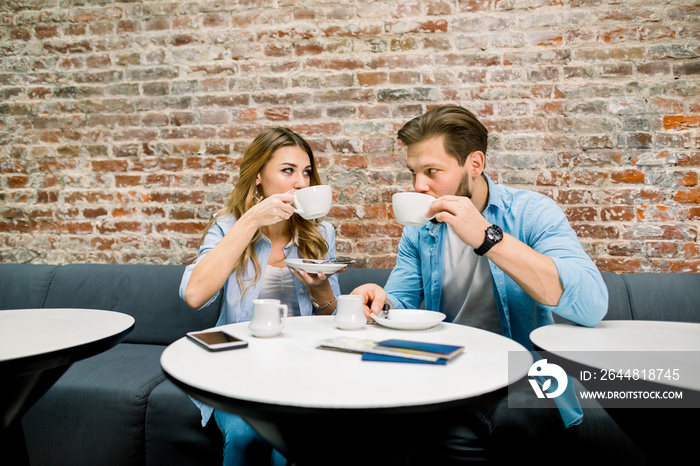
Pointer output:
x,y
217,340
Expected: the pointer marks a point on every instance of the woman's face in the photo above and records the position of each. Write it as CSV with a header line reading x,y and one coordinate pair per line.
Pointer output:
x,y
288,169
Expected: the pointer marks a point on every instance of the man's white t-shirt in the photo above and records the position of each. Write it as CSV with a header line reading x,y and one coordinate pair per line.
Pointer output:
x,y
467,288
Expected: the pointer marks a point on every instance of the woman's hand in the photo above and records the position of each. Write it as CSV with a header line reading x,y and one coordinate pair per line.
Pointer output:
x,y
320,290
271,210
312,280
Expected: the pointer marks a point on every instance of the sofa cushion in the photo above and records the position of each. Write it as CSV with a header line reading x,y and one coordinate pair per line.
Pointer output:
x,y
664,296
174,432
618,298
95,413
24,286
352,278
149,293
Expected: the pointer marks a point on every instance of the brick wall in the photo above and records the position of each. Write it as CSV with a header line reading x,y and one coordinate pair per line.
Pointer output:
x,y
122,122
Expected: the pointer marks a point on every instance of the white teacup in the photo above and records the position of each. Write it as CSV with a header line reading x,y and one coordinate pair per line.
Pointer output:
x,y
313,202
410,208
268,317
349,314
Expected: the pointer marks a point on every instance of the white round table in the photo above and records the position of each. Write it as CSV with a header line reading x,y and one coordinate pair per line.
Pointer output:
x,y
635,364
630,344
37,346
288,376
27,333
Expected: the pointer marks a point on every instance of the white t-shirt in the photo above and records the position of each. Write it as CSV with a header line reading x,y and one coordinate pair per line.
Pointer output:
x,y
277,283
467,286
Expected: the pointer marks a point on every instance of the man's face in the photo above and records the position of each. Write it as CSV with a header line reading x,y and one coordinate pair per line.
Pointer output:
x,y
435,172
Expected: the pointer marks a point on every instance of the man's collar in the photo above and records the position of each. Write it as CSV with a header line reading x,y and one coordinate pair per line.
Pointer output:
x,y
494,194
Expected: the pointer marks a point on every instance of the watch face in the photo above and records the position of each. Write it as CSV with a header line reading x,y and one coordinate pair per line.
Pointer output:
x,y
495,233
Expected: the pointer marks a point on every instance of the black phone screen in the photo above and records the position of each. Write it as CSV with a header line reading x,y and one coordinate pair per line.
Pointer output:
x,y
215,338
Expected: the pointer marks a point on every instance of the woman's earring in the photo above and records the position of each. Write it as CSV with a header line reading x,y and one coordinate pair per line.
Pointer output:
x,y
258,197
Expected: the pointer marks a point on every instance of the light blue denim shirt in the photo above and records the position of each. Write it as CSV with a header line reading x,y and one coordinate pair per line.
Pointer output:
x,y
234,309
535,220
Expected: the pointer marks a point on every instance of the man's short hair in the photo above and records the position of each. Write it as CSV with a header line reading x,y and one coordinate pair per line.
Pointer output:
x,y
462,132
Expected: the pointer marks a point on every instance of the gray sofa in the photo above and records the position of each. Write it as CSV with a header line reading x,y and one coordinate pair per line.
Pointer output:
x,y
118,408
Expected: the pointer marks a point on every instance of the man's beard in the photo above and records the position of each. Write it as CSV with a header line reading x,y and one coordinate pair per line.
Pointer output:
x,y
463,188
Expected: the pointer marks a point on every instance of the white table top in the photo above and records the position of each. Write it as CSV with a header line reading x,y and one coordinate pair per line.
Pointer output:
x,y
289,370
33,332
621,344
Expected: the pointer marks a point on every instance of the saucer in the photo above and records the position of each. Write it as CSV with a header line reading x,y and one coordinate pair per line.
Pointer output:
x,y
410,319
327,268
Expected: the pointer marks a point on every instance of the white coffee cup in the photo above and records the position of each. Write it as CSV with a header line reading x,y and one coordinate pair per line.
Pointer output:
x,y
313,202
349,314
410,208
268,317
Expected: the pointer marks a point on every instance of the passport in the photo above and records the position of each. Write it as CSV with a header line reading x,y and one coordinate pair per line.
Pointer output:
x,y
385,358
435,349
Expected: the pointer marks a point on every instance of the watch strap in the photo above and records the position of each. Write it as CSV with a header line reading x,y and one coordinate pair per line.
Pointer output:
x,y
494,235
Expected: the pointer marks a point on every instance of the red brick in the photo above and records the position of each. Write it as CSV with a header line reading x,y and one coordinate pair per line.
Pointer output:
x,y
628,176
691,213
121,212
681,122
656,212
662,248
691,251
94,213
676,266
17,181
625,249
103,244
689,160
620,265
687,178
180,227
688,196
596,231
581,214
617,214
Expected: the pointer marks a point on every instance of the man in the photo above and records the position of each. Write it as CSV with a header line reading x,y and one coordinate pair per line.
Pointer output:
x,y
494,257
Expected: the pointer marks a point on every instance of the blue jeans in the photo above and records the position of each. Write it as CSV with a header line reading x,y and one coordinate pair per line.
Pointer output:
x,y
243,446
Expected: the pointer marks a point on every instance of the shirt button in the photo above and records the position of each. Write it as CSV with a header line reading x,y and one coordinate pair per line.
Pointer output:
x,y
301,291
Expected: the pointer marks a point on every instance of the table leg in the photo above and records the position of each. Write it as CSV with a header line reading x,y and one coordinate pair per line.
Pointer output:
x,y
348,437
665,435
17,395
13,445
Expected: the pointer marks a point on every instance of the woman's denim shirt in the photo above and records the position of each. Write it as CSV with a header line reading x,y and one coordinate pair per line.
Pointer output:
x,y
234,309
535,220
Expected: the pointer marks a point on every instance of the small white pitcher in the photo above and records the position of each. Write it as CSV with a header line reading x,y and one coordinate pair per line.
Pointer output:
x,y
268,317
349,315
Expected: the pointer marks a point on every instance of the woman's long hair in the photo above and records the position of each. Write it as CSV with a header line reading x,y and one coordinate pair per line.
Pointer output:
x,y
246,193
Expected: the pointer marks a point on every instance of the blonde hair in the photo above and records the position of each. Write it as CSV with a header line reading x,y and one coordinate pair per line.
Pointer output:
x,y
245,194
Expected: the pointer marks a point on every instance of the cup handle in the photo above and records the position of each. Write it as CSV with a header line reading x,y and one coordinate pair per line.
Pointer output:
x,y
283,312
297,207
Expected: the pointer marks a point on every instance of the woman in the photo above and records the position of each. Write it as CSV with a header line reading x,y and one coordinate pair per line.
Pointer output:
x,y
242,253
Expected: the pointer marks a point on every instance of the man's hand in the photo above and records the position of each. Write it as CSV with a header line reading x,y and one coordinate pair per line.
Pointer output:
x,y
373,297
462,215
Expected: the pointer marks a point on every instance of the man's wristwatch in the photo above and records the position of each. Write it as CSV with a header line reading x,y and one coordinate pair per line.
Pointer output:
x,y
494,235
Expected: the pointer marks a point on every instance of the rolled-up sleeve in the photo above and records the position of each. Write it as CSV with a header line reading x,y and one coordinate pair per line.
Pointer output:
x,y
405,283
585,297
212,238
